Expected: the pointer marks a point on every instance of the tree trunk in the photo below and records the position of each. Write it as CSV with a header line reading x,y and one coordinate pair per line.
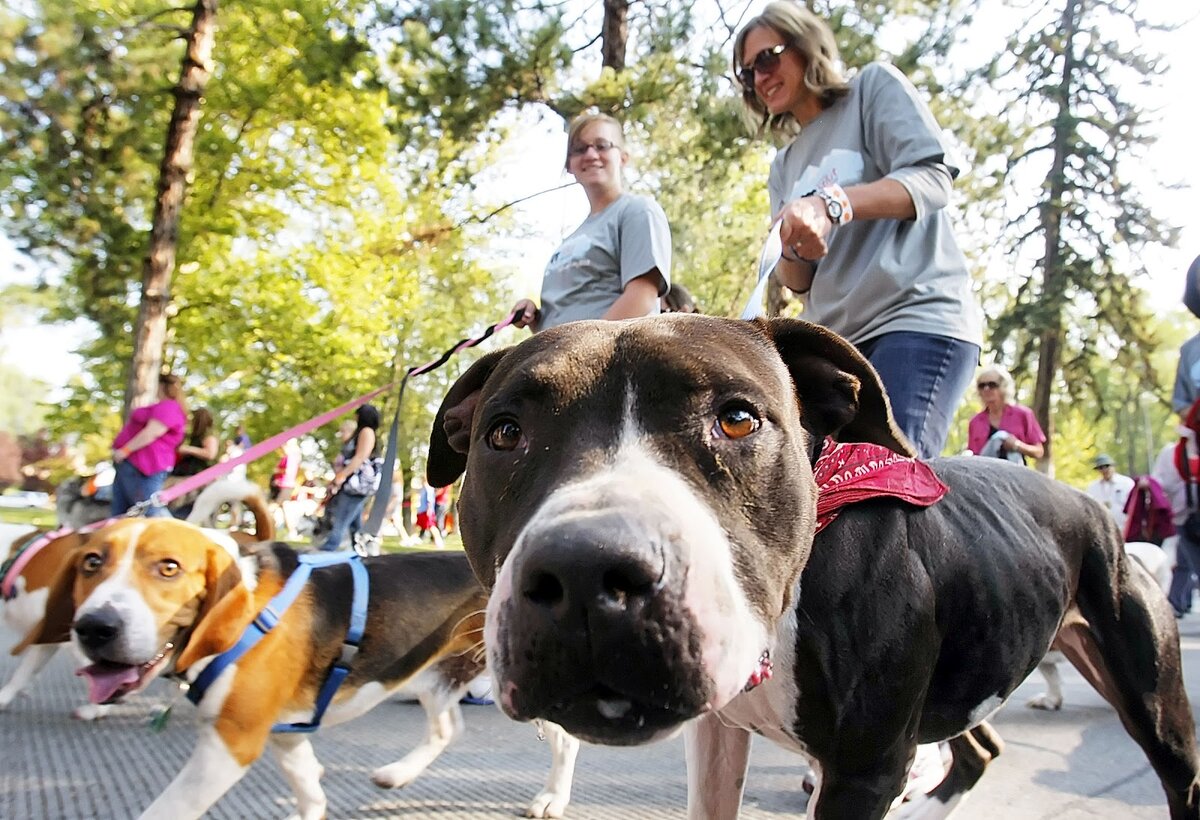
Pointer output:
x,y
615,35
1054,274
151,330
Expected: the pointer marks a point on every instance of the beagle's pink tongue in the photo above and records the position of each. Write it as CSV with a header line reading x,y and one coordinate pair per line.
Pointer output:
x,y
106,680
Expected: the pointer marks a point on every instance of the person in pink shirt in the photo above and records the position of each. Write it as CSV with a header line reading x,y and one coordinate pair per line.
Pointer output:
x,y
1003,428
144,450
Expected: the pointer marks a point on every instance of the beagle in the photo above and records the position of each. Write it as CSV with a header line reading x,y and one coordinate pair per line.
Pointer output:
x,y
28,592
152,595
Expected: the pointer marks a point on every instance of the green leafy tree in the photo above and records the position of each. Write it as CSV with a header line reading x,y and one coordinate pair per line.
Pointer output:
x,y
1065,76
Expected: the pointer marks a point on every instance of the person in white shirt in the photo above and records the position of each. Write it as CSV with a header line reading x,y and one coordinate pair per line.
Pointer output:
x,y
1111,489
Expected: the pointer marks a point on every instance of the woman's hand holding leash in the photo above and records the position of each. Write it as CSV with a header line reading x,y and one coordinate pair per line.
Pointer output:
x,y
526,314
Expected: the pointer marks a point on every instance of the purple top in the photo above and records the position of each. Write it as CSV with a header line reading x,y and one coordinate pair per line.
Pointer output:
x,y
159,454
1016,419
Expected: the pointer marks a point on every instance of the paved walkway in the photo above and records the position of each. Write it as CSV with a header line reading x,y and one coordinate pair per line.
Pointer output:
x,y
1073,764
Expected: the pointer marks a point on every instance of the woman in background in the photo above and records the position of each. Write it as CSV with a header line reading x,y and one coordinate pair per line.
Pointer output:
x,y
343,508
1003,428
616,264
144,450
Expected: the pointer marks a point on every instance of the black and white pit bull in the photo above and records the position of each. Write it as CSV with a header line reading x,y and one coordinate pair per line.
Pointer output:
x,y
640,500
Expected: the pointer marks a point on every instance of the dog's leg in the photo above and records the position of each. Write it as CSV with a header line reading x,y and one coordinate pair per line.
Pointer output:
x,y
1130,654
33,659
445,724
717,759
303,772
552,800
208,774
1052,699
972,752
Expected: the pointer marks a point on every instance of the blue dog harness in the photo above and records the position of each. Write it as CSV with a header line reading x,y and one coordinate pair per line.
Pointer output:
x,y
273,612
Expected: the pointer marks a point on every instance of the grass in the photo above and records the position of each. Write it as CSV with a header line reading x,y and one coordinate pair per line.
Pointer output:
x,y
31,516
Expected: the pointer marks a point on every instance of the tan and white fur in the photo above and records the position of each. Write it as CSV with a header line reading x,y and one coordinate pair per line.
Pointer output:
x,y
33,587
156,594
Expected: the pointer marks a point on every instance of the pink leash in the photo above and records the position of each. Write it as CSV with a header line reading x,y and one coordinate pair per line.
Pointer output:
x,y
14,569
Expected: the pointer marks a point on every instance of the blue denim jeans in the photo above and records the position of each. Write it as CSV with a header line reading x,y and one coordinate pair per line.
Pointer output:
x,y
130,487
344,511
926,377
1183,575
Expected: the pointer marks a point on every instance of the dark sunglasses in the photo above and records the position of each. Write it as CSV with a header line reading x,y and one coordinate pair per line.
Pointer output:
x,y
988,385
581,148
764,61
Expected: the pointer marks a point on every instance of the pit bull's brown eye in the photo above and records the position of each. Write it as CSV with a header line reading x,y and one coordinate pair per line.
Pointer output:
x,y
168,568
92,563
735,423
505,435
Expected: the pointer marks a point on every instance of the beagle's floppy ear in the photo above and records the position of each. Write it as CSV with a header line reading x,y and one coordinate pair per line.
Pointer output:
x,y
840,393
227,608
60,609
451,435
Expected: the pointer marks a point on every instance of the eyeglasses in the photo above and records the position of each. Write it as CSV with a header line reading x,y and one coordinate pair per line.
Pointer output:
x,y
764,61
581,148
988,385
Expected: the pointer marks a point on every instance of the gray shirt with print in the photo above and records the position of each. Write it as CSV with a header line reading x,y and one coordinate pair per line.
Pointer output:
x,y
882,275
593,265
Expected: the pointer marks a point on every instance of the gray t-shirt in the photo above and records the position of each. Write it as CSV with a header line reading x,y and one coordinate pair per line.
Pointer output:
x,y
882,275
593,265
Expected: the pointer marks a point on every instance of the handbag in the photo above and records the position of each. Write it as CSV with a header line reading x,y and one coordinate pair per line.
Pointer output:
x,y
366,479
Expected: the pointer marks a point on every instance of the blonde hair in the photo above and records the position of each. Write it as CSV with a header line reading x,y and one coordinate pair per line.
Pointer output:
x,y
1002,376
812,38
583,121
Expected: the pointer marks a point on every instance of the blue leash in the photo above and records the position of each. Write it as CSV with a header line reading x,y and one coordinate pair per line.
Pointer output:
x,y
273,612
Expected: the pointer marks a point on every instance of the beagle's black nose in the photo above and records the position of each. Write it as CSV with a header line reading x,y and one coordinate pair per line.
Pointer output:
x,y
98,628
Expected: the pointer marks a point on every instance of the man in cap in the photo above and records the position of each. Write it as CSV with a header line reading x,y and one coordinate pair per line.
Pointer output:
x,y
1111,489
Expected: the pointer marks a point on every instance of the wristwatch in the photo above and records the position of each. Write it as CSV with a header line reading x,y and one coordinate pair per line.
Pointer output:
x,y
837,204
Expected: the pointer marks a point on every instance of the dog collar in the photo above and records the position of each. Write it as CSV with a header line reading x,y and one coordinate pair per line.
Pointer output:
x,y
762,674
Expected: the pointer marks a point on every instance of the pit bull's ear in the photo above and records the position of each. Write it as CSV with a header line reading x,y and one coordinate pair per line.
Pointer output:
x,y
840,393
59,614
451,435
227,609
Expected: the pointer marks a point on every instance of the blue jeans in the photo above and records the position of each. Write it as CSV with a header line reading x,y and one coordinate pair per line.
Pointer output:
x,y
344,511
926,377
130,487
1183,581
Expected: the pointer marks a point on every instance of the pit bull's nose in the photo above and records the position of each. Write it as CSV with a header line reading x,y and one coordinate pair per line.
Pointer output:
x,y
99,628
592,565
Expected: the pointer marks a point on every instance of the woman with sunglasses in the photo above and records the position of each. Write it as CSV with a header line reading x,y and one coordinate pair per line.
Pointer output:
x,y
616,264
861,191
1003,428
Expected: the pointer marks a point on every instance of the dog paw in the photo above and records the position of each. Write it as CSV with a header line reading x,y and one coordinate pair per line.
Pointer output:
x,y
91,711
1045,702
395,776
548,804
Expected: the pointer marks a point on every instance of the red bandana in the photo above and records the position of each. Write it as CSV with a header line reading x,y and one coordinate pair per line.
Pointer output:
x,y
850,472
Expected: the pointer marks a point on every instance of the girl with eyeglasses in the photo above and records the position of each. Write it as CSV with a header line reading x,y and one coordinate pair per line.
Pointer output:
x,y
861,190
616,264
